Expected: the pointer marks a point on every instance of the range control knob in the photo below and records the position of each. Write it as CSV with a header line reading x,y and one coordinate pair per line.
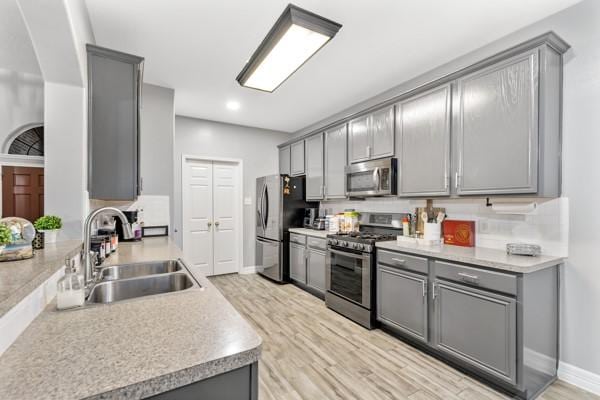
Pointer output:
x,y
360,246
334,242
344,243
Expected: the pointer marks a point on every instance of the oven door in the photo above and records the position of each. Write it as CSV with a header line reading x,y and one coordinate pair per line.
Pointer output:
x,y
348,275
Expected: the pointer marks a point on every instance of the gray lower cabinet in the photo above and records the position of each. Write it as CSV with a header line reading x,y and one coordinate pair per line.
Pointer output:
x,y
314,167
315,266
114,81
423,127
284,160
297,158
336,140
298,262
396,289
478,327
371,136
497,128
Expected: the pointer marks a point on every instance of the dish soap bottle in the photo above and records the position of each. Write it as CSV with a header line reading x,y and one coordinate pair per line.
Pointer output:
x,y
70,288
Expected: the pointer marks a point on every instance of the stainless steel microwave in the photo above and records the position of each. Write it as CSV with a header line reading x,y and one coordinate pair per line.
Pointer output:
x,y
372,178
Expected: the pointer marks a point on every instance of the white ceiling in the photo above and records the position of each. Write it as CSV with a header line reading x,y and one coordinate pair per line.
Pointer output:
x,y
199,47
16,50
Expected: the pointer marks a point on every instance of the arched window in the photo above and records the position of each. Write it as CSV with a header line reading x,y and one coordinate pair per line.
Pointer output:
x,y
29,143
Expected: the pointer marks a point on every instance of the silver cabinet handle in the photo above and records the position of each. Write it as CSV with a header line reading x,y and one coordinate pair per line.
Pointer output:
x,y
209,224
217,223
399,260
466,276
446,180
433,292
456,180
424,288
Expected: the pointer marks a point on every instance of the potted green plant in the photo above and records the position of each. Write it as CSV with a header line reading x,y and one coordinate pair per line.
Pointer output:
x,y
5,236
49,225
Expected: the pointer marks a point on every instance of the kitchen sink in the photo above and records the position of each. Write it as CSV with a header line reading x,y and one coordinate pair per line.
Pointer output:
x,y
122,289
125,271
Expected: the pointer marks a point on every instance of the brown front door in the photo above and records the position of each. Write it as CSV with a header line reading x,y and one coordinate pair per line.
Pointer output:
x,y
23,192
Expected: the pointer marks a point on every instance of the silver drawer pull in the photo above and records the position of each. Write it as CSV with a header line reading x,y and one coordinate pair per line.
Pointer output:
x,y
468,276
399,260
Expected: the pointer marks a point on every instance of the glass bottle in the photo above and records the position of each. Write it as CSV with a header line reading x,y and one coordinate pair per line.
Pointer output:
x,y
70,291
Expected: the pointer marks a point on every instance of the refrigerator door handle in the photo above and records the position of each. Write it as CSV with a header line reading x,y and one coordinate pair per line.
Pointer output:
x,y
266,217
261,208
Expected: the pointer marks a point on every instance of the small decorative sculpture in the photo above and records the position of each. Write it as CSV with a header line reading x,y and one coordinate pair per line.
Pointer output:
x,y
22,234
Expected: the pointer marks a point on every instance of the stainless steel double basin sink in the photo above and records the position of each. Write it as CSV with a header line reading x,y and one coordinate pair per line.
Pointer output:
x,y
128,281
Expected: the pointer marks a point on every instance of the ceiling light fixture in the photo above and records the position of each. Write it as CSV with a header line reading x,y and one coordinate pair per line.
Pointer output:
x,y
296,36
233,105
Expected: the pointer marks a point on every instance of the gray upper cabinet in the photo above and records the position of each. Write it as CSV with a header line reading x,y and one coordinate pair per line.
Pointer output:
x,y
359,142
371,136
335,161
284,160
423,128
497,128
314,167
114,82
395,290
477,327
297,158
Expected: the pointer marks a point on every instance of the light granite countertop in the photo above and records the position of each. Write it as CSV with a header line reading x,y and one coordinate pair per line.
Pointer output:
x,y
485,257
310,232
130,349
19,278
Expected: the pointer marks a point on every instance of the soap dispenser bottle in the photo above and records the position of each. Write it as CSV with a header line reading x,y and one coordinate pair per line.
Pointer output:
x,y
71,289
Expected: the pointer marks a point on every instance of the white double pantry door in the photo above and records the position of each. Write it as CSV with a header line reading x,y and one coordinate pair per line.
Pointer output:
x,y
210,216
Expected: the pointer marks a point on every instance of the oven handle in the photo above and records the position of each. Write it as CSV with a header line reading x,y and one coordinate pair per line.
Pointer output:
x,y
348,254
376,179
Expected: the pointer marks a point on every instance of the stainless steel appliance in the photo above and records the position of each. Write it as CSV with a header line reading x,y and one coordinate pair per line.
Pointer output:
x,y
310,214
372,178
350,266
280,205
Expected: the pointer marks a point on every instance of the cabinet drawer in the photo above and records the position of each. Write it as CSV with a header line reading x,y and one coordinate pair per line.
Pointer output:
x,y
317,243
478,277
402,261
297,238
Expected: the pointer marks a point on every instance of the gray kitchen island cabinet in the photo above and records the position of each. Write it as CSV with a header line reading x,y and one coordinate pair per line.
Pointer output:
x,y
297,158
423,127
114,99
371,136
284,160
314,167
336,140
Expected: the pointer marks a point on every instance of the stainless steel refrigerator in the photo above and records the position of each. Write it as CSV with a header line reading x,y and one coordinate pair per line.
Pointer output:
x,y
280,205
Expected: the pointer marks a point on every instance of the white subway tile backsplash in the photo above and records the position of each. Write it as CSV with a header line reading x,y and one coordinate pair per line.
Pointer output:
x,y
547,225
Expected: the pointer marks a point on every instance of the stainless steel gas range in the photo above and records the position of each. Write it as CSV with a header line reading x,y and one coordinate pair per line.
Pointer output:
x,y
350,266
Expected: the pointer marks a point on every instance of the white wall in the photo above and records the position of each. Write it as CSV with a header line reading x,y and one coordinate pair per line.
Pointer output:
x,y
21,102
256,147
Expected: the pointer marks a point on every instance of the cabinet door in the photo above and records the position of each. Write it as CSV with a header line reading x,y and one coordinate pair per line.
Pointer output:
x,y
359,142
314,167
335,162
476,327
297,158
284,160
402,301
497,130
381,130
298,263
113,129
315,267
423,124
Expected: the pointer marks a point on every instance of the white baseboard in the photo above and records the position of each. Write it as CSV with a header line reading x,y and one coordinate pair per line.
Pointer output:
x,y
579,377
248,270
18,318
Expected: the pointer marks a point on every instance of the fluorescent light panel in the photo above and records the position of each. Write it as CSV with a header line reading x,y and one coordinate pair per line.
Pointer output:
x,y
295,37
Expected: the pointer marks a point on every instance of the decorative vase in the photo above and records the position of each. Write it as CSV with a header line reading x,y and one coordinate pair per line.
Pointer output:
x,y
38,240
50,235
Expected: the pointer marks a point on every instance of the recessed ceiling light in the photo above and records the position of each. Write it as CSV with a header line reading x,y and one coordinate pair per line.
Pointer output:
x,y
233,105
296,36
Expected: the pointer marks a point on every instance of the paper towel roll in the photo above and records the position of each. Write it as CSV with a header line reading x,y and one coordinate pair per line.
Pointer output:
x,y
514,208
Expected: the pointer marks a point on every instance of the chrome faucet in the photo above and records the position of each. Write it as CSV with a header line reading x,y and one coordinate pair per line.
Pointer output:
x,y
88,266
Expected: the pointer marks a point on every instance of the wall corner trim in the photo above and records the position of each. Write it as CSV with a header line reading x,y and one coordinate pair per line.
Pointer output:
x,y
579,377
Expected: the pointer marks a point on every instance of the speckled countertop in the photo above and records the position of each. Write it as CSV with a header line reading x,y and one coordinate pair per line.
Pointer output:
x,y
491,258
310,232
19,278
130,349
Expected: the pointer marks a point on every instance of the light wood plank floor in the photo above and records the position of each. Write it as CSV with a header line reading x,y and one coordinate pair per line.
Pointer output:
x,y
311,352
